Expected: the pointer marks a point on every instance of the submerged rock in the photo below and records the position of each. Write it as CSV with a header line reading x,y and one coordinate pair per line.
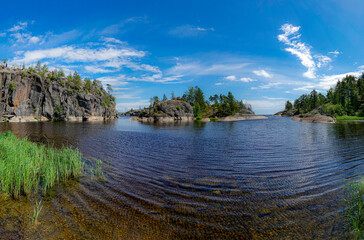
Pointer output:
x,y
27,96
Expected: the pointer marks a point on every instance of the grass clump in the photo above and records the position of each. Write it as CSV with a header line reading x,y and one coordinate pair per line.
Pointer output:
x,y
355,207
346,118
27,167
37,209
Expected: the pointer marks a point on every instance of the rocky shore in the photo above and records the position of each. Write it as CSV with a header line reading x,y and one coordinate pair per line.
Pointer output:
x,y
171,111
29,97
315,116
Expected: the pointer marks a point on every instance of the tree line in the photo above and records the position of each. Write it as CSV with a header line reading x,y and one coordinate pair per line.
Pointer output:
x,y
216,105
346,98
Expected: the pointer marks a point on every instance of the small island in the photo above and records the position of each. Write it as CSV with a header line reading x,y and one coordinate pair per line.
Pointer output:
x,y
37,94
345,101
193,106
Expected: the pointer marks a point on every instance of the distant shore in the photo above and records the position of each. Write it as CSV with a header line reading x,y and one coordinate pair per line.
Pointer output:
x,y
191,119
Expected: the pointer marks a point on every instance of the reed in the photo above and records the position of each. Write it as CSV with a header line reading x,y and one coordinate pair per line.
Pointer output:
x,y
27,167
355,207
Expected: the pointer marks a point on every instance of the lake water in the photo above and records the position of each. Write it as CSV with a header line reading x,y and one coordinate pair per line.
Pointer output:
x,y
255,179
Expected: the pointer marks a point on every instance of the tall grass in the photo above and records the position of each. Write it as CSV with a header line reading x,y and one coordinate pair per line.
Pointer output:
x,y
27,167
348,118
355,207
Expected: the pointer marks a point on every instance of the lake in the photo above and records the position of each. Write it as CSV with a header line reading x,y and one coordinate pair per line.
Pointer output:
x,y
255,179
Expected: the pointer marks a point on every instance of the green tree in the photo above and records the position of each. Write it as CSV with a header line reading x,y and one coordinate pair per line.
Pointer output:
x,y
88,85
77,81
38,67
164,98
200,99
288,106
109,88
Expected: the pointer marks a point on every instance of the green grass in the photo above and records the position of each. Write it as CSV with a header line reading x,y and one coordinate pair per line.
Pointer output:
x,y
355,208
37,209
27,167
345,117
213,119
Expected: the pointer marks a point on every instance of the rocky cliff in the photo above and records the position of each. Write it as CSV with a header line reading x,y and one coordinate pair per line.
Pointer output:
x,y
28,96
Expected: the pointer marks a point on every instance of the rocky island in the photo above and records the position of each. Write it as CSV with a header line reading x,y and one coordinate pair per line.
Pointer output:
x,y
193,106
36,94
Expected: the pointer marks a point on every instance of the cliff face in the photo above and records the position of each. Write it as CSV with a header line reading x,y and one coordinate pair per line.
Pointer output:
x,y
27,96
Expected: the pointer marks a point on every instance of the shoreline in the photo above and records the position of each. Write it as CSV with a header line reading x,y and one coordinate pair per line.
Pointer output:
x,y
191,119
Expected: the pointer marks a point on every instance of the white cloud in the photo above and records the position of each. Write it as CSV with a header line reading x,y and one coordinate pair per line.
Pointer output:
x,y
336,52
94,69
34,40
272,98
157,78
266,107
205,29
247,80
112,40
291,38
123,107
322,60
262,73
125,96
329,81
204,69
305,88
361,67
3,34
218,84
231,78
190,31
18,27
25,38
114,80
266,86
74,54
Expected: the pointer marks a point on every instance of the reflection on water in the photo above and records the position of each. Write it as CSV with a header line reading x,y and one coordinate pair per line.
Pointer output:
x,y
258,179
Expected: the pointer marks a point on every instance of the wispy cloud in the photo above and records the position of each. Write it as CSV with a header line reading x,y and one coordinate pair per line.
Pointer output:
x,y
18,27
262,73
336,52
197,68
273,98
190,31
267,106
231,78
292,39
235,79
266,86
76,54
125,106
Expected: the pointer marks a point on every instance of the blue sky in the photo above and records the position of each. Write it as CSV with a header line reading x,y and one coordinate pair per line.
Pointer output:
x,y
264,52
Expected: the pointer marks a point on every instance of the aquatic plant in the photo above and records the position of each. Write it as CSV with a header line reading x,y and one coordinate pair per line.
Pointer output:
x,y
26,167
355,207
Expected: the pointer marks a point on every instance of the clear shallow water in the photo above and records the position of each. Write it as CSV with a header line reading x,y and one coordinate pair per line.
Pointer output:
x,y
258,179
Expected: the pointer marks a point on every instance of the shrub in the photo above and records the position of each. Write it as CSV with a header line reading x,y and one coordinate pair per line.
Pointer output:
x,y
334,109
12,86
